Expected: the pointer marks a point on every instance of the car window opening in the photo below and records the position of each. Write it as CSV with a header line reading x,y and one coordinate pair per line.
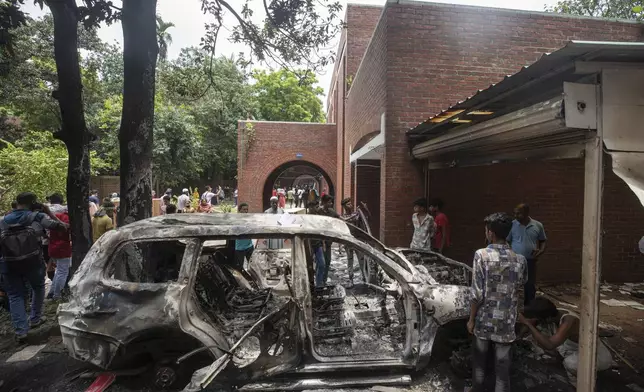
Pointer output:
x,y
436,266
236,288
353,314
147,261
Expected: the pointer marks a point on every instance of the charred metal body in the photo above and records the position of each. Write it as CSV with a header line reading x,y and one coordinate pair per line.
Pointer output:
x,y
177,277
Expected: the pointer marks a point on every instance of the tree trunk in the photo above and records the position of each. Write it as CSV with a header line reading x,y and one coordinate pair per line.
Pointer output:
x,y
140,51
74,130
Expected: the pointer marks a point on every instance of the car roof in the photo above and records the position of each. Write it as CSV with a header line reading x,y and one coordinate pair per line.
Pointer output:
x,y
244,223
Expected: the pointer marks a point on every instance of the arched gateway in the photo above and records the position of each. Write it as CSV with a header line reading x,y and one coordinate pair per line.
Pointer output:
x,y
300,173
283,153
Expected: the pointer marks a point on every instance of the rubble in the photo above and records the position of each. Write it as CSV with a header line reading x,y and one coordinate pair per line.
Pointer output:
x,y
442,269
616,302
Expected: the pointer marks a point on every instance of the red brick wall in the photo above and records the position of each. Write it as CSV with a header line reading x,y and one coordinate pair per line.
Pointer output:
x,y
341,89
366,100
439,54
361,22
554,191
277,143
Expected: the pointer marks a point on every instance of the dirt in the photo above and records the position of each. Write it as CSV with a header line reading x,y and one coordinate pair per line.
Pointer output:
x,y
44,331
621,327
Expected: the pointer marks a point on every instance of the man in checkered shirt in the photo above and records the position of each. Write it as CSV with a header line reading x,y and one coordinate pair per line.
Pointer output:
x,y
499,274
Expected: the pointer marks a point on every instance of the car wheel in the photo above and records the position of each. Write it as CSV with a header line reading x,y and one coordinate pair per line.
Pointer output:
x,y
165,376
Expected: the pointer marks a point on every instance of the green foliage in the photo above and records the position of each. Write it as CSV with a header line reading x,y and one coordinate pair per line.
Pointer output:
x,y
195,133
199,100
283,96
625,9
177,146
29,76
282,32
106,123
37,163
163,37
217,94
226,208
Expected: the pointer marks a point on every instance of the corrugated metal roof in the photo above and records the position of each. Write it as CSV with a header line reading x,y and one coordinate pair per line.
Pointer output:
x,y
532,84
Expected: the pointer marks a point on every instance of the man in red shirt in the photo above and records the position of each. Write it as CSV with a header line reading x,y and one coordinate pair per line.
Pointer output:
x,y
441,238
60,248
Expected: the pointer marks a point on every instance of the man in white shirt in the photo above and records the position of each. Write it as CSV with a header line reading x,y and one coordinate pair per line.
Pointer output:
x,y
208,195
183,200
300,191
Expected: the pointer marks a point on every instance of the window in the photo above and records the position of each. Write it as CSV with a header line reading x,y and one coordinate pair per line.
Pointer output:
x,y
147,261
239,279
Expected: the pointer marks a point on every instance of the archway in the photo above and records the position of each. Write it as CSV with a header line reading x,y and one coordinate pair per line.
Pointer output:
x,y
296,173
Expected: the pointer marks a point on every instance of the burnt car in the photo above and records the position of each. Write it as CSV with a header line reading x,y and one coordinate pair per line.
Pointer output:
x,y
169,288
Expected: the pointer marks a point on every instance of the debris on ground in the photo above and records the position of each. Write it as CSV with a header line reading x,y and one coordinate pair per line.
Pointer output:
x,y
386,389
26,353
616,302
635,388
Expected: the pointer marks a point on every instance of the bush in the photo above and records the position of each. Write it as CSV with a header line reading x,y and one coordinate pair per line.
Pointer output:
x,y
226,208
37,163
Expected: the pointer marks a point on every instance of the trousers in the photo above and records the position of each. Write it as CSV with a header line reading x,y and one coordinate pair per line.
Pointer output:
x,y
502,360
60,277
16,290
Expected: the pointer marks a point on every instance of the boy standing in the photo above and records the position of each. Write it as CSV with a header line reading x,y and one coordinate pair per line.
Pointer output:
x,y
424,226
499,274
441,238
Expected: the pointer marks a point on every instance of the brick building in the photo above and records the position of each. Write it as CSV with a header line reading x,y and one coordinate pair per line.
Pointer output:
x,y
400,64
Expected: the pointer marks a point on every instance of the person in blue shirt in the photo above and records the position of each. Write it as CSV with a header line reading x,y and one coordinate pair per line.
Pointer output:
x,y
244,247
93,197
527,238
28,213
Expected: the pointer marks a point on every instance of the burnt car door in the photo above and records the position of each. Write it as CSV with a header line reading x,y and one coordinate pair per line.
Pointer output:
x,y
366,324
252,332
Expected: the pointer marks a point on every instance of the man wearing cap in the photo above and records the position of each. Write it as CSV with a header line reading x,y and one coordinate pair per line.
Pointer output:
x,y
275,243
183,200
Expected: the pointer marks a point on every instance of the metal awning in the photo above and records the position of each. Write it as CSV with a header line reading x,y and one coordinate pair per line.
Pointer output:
x,y
536,83
536,132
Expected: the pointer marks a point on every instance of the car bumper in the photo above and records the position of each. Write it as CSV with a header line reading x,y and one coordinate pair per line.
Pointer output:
x,y
96,349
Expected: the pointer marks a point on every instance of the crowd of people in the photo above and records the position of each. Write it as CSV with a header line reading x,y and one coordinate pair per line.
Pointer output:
x,y
188,202
296,196
33,236
323,205
36,244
